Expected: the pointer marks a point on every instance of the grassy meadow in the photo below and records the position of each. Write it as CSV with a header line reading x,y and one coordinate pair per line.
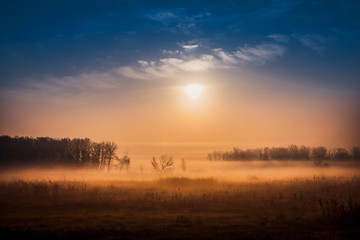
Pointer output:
x,y
325,205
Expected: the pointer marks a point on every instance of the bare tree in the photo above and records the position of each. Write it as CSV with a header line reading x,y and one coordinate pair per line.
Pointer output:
x,y
293,151
163,163
355,152
304,153
124,162
318,155
95,154
107,154
110,152
102,156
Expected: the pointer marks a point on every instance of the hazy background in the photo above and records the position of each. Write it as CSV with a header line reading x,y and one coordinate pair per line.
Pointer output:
x,y
274,73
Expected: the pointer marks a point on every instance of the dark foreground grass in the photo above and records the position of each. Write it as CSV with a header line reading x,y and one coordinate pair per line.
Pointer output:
x,y
181,208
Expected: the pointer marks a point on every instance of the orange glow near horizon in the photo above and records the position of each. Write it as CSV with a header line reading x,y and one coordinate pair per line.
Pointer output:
x,y
244,113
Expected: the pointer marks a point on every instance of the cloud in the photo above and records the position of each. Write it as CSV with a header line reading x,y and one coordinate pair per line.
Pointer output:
x,y
85,82
183,61
172,63
260,53
171,66
143,63
279,38
177,19
313,41
175,14
190,46
162,15
277,7
170,52
225,57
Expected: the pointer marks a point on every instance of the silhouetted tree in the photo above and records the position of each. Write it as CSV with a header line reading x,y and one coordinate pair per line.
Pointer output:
x,y
279,153
85,151
341,154
45,150
163,163
124,162
318,155
266,154
293,152
304,153
216,155
102,162
95,152
109,151
355,153
257,154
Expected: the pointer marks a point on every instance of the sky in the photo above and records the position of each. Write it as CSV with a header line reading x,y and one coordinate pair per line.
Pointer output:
x,y
271,73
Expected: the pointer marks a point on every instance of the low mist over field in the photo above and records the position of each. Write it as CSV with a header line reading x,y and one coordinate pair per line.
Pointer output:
x,y
212,200
227,171
66,188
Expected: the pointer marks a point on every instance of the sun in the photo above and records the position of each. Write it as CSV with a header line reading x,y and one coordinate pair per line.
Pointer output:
x,y
194,90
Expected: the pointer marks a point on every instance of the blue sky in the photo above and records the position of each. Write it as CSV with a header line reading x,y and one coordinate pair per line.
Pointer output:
x,y
60,38
71,47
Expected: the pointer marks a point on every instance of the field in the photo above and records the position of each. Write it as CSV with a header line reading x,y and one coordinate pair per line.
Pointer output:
x,y
324,205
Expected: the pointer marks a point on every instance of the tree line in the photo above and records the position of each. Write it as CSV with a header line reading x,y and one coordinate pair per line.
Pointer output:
x,y
292,152
64,151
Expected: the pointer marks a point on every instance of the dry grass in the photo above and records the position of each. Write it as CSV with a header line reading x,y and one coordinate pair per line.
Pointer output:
x,y
182,208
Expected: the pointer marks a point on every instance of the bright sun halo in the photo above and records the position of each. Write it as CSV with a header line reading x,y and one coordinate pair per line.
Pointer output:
x,y
194,90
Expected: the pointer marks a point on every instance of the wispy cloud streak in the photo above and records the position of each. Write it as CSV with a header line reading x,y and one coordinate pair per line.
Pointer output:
x,y
277,7
186,59
314,42
279,38
178,61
